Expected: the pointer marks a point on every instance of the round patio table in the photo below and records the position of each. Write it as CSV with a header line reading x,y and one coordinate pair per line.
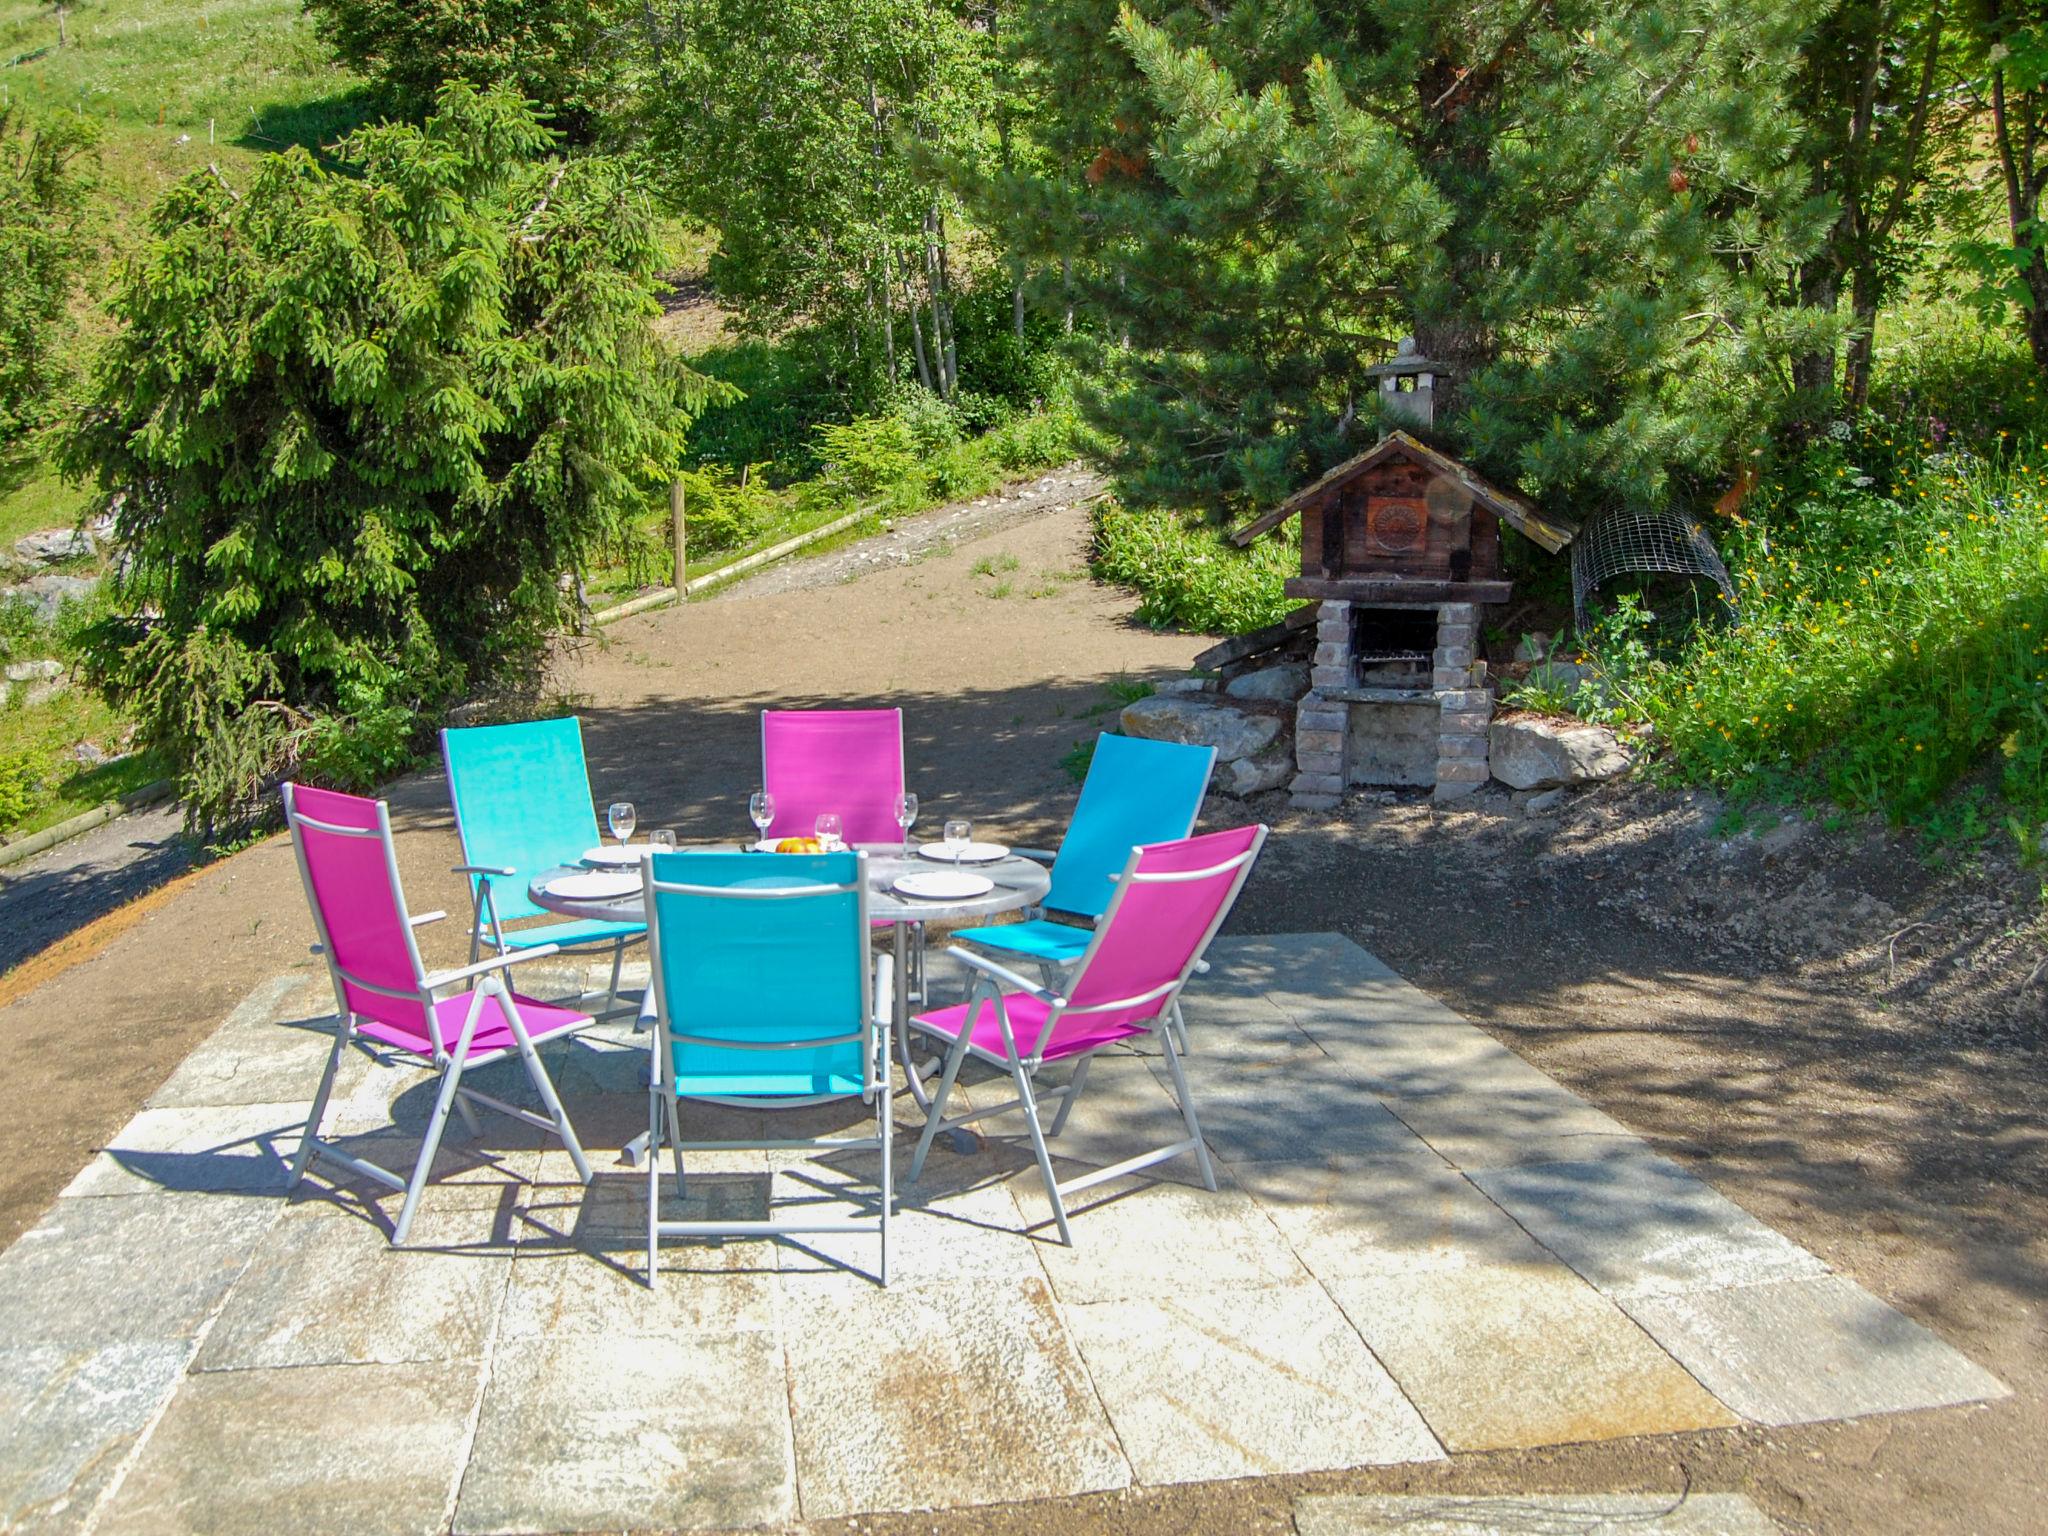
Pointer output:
x,y
1019,882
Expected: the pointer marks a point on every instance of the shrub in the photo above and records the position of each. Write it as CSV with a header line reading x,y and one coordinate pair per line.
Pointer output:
x,y
17,787
1886,643
869,456
723,511
559,53
360,420
1188,576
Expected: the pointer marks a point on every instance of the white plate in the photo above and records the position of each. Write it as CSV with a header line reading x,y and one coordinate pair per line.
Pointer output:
x,y
973,853
615,857
599,885
944,885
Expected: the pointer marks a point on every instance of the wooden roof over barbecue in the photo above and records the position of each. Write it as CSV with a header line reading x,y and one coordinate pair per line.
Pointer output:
x,y
1518,512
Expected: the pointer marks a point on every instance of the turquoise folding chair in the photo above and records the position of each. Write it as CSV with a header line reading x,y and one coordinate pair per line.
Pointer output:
x,y
522,805
762,998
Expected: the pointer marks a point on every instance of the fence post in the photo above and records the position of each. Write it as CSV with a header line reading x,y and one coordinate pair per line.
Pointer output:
x,y
675,514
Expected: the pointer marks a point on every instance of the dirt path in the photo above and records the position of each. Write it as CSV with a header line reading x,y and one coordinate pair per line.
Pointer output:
x,y
1838,1038
44,898
917,538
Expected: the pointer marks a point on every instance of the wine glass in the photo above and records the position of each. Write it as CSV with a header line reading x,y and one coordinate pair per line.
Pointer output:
x,y
958,835
663,839
622,818
906,817
761,809
828,832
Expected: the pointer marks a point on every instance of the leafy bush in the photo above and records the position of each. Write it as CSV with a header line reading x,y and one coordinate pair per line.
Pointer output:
x,y
869,456
1887,642
43,186
725,511
1188,576
17,787
360,420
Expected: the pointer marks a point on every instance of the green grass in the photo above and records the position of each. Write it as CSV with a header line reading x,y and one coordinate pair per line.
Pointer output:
x,y
32,497
42,736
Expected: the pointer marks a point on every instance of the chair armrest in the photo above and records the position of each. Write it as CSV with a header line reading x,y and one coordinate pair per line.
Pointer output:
x,y
1005,976
427,917
487,870
1036,855
650,1007
510,958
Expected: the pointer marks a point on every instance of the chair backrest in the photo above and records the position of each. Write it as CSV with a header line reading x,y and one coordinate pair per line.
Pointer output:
x,y
350,871
1136,792
1169,903
522,801
848,761
761,969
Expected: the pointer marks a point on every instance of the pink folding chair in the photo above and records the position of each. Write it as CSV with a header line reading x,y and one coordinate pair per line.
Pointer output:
x,y
383,990
1170,900
847,761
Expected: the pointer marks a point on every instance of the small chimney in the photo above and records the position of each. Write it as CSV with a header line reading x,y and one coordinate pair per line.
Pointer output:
x,y
1407,387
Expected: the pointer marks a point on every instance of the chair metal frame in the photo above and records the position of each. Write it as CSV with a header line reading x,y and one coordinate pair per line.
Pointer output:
x,y
484,922
1023,1066
1051,972
664,1118
450,1061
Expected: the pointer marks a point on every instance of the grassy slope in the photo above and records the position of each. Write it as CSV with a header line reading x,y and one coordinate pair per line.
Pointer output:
x,y
175,85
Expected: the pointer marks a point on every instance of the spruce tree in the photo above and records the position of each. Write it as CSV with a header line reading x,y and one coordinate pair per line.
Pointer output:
x,y
1586,211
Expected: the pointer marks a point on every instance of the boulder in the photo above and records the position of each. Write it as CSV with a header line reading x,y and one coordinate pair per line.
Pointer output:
x,y
33,671
52,546
49,592
1530,753
1186,685
1285,682
1202,722
1244,776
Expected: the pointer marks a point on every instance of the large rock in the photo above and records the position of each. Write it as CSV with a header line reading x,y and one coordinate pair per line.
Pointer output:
x,y
52,546
1284,682
1254,775
1201,722
1531,753
49,592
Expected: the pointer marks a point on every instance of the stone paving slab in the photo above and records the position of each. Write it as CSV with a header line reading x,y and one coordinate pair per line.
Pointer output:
x,y
1244,1383
1386,1216
931,1397
1797,1351
67,1419
1144,1239
1378,1278
1525,1124
1508,1356
1531,1514
581,1265
666,1432
1642,1226
232,1149
373,1450
128,1268
267,1052
324,1288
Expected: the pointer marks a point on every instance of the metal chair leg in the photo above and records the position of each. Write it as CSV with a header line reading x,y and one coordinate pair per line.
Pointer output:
x,y
1073,1092
1187,1114
1029,1103
343,1028
653,1181
935,1115
451,1081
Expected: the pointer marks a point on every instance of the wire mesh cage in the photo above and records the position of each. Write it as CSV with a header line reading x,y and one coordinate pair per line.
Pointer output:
x,y
1625,541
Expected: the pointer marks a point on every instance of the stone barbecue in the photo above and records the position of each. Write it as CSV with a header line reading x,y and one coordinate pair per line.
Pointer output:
x,y
1402,547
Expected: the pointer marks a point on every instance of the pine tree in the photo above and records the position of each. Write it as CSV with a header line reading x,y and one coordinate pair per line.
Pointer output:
x,y
1586,211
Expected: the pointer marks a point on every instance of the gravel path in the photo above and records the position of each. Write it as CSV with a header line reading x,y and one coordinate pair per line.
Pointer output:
x,y
917,538
59,892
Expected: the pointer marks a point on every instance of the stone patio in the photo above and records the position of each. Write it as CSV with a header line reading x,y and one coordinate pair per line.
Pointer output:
x,y
1422,1246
